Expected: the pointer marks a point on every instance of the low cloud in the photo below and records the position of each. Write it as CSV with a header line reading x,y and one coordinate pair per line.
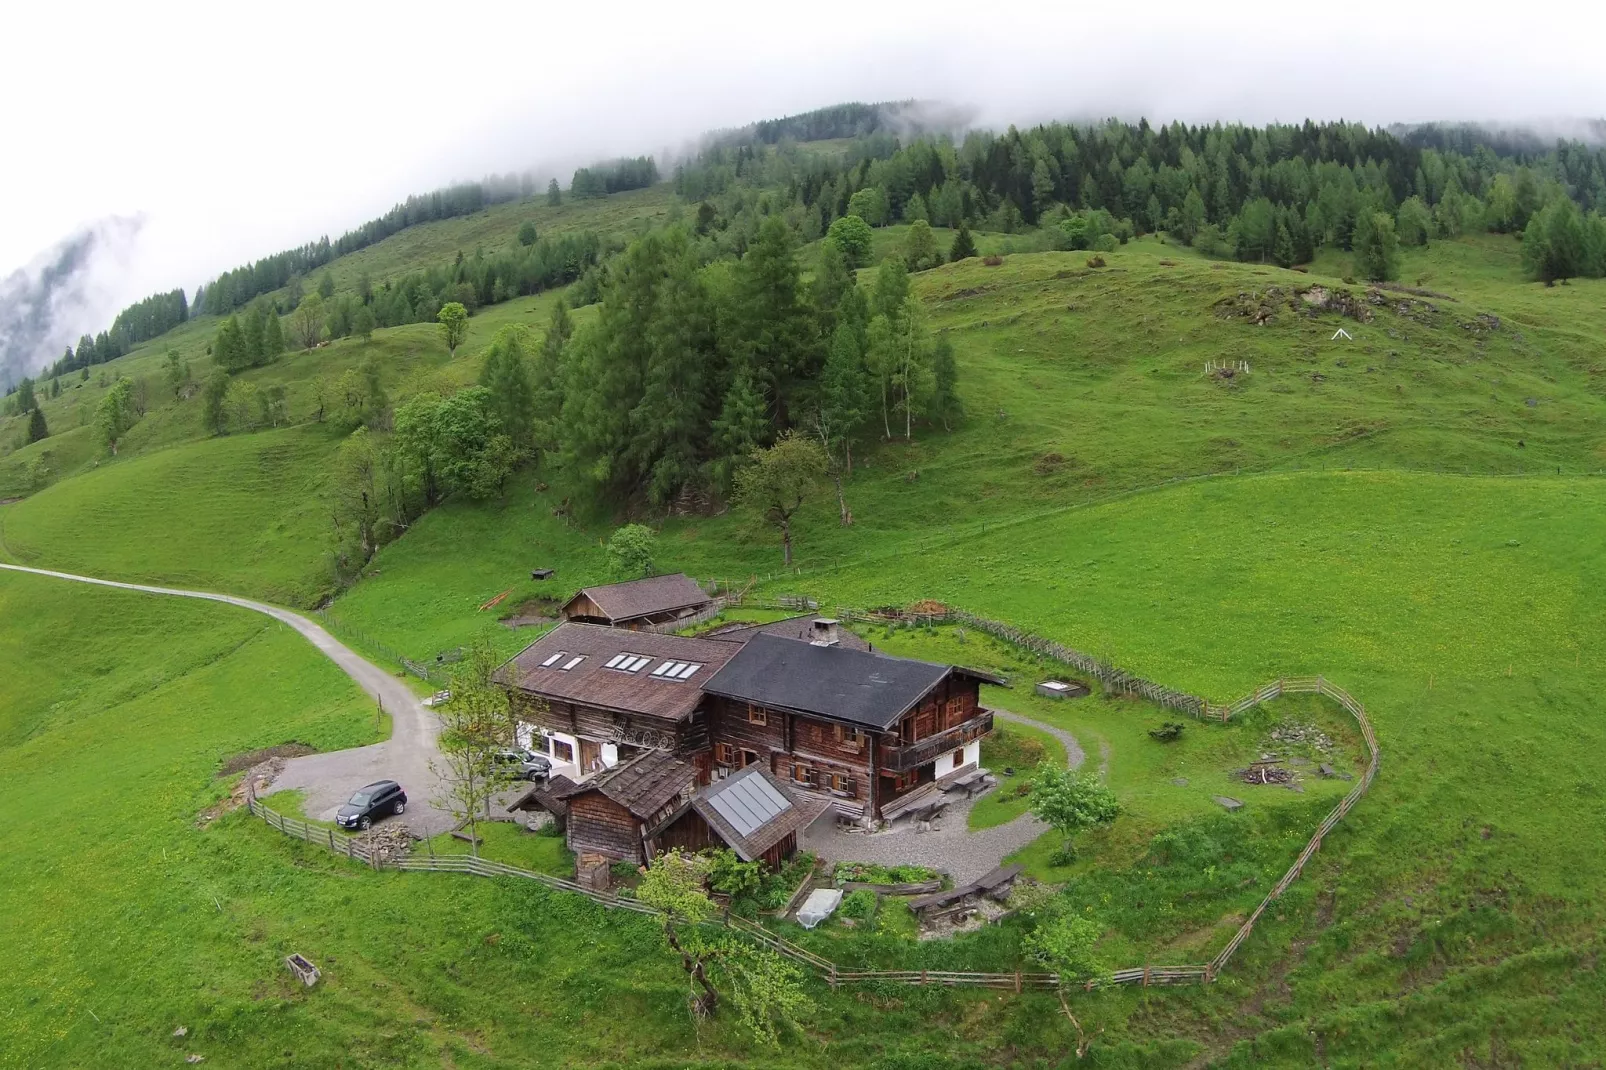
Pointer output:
x,y
67,291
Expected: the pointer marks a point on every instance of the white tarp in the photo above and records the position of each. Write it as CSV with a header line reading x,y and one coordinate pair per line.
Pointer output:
x,y
818,906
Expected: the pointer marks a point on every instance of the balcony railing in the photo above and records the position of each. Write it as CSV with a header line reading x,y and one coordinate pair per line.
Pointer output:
x,y
913,755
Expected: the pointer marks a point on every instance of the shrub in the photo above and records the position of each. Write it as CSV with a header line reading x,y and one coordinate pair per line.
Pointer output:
x,y
992,261
858,904
734,877
1095,261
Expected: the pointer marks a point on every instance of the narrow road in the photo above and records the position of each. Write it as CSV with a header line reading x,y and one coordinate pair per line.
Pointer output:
x,y
329,779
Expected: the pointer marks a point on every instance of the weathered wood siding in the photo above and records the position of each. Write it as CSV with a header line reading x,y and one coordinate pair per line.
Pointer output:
x,y
581,607
599,825
688,832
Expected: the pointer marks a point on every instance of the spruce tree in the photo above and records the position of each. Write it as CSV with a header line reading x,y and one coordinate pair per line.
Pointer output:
x,y
964,246
272,336
36,426
554,196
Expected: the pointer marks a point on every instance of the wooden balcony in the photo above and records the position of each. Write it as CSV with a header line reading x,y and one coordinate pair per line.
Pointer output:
x,y
909,756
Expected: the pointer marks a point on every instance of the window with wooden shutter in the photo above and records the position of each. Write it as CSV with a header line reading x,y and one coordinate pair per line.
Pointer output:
x,y
800,773
851,738
757,715
724,754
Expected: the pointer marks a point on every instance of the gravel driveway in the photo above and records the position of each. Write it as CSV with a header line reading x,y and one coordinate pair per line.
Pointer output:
x,y
950,846
329,779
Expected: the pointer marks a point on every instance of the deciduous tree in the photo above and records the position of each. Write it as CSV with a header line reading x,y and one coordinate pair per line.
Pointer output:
x,y
852,235
779,480
630,551
453,318
307,320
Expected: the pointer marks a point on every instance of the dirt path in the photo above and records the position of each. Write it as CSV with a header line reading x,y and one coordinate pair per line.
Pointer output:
x,y
328,779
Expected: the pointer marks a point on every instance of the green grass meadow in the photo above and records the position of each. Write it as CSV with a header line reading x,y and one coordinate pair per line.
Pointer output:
x,y
1414,512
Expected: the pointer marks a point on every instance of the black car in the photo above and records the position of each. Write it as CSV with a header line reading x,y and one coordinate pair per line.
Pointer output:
x,y
524,763
371,802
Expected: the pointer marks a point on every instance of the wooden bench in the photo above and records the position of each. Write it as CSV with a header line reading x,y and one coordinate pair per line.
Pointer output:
x,y
998,883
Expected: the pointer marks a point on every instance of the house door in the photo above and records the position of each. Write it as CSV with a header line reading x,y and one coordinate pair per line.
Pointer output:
x,y
590,756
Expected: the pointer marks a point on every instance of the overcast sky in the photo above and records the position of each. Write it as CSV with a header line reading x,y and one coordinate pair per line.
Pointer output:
x,y
229,132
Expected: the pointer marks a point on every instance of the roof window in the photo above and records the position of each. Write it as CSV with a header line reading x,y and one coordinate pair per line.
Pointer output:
x,y
554,659
628,662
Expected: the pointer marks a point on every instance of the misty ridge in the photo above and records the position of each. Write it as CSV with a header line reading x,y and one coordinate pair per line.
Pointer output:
x,y
72,289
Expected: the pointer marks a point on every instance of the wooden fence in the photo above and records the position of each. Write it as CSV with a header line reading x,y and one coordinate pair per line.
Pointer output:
x,y
354,848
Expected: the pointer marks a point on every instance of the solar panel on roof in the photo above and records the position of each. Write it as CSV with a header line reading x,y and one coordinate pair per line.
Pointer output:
x,y
749,804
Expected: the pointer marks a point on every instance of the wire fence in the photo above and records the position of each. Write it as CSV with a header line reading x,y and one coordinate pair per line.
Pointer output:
x,y
423,670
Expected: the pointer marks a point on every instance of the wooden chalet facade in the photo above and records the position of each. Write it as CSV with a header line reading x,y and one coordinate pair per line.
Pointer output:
x,y
837,726
637,604
593,696
859,728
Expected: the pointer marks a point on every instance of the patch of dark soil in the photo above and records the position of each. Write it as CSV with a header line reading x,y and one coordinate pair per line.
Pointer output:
x,y
9,501
1050,463
247,759
531,612
973,291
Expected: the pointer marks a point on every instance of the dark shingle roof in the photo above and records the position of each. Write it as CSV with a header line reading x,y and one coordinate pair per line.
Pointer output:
x,y
645,598
548,797
754,810
789,628
847,685
641,785
592,683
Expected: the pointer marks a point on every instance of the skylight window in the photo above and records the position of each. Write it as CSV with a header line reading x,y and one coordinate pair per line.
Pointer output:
x,y
628,662
554,659
572,662
676,670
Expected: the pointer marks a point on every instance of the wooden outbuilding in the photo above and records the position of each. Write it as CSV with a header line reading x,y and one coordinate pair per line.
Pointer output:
x,y
753,813
638,603
618,812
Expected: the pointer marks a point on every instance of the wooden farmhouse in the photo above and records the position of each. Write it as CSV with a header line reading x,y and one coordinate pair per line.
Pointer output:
x,y
654,730
592,696
861,728
657,600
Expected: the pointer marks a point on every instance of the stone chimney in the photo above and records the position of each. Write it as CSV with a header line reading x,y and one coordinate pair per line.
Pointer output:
x,y
822,632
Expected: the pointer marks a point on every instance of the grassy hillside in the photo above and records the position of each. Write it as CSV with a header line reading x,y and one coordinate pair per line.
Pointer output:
x,y
1411,511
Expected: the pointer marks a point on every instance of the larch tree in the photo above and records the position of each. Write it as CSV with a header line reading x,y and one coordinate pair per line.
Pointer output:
x,y
115,414
945,404
779,480
506,375
1376,246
